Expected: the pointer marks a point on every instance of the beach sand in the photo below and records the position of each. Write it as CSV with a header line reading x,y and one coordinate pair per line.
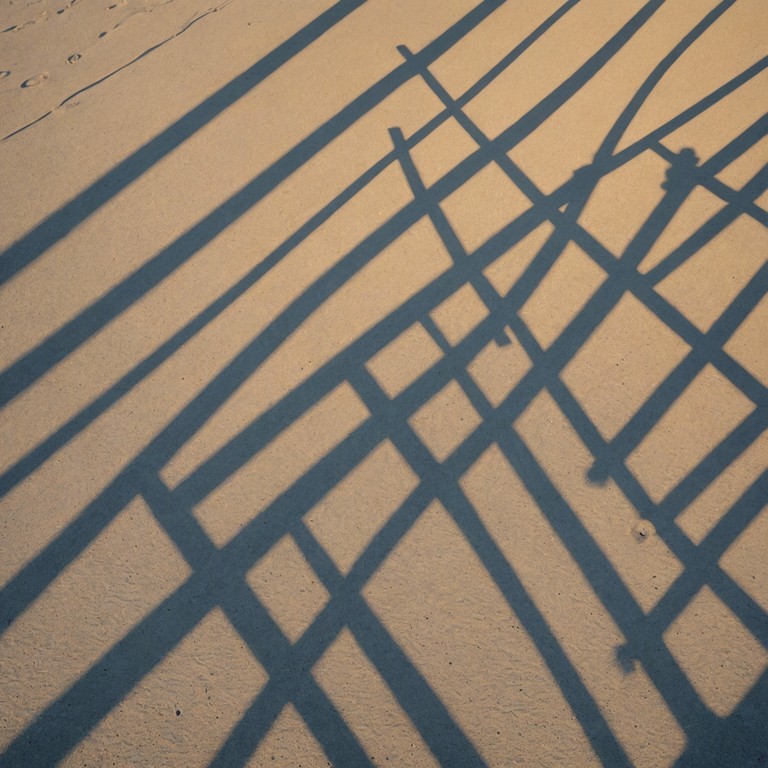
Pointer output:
x,y
383,383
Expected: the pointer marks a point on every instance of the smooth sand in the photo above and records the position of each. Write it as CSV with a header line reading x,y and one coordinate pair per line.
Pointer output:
x,y
376,404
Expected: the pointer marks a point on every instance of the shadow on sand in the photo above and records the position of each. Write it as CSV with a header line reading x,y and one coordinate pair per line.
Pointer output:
x,y
218,578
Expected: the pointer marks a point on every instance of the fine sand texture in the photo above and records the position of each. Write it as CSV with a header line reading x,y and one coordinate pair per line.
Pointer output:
x,y
384,382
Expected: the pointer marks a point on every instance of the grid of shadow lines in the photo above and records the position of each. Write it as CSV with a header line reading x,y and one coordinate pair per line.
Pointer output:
x,y
218,578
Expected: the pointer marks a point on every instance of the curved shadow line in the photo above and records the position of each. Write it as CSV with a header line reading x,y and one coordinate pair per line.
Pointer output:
x,y
26,586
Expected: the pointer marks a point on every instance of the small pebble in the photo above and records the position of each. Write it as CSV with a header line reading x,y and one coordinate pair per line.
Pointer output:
x,y
643,530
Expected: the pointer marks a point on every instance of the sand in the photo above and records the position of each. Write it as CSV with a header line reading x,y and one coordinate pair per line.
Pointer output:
x,y
383,383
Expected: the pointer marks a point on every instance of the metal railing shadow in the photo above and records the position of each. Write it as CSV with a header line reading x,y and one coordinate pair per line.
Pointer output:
x,y
218,573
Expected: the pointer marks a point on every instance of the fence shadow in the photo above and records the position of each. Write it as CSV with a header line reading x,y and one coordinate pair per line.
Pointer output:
x,y
488,369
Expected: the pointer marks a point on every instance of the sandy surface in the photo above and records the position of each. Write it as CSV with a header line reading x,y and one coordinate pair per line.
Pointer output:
x,y
383,382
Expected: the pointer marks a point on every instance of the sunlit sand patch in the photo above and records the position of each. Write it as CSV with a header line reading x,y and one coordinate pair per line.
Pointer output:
x,y
561,294
643,562
45,41
404,360
688,431
697,209
621,364
445,421
351,514
717,653
368,706
483,205
441,151
250,488
459,314
745,560
705,512
634,710
750,341
182,711
145,217
291,591
705,285
289,742
499,368
127,571
623,200
504,272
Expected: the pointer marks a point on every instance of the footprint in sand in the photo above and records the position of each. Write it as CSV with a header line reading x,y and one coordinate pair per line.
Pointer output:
x,y
36,80
4,73
17,28
73,58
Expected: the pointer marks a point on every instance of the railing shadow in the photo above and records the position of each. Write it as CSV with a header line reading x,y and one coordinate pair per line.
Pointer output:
x,y
219,571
